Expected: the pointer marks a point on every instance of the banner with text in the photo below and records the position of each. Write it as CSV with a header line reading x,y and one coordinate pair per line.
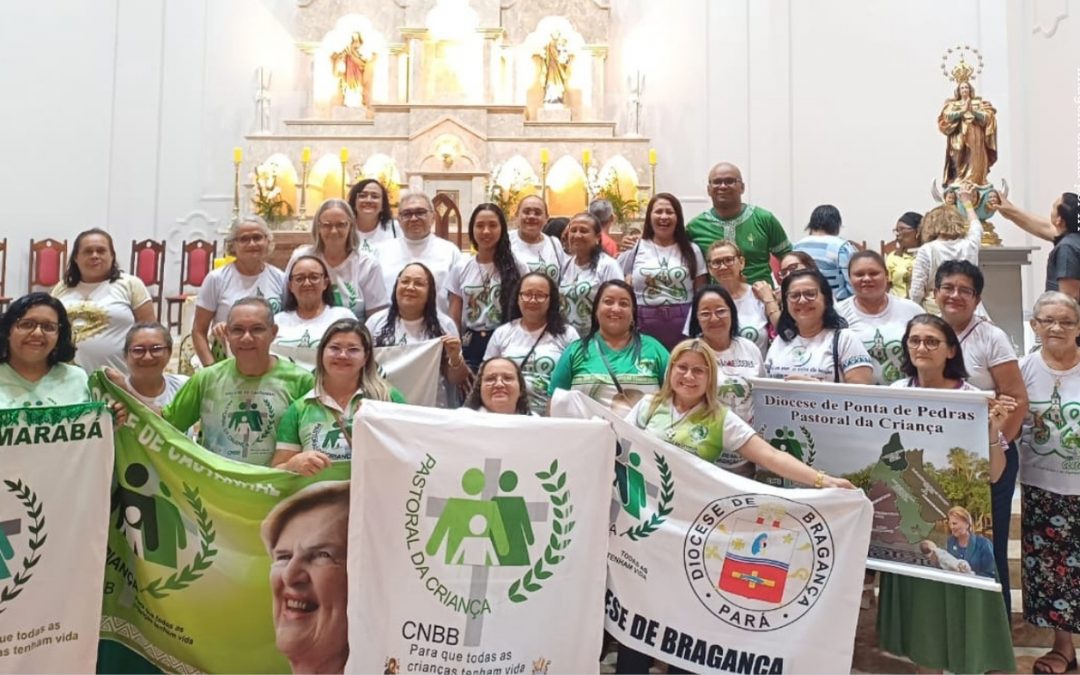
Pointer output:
x,y
204,555
711,571
478,540
921,455
413,369
54,512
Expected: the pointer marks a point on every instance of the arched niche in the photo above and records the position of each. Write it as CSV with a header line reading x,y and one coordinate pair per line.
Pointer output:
x,y
567,193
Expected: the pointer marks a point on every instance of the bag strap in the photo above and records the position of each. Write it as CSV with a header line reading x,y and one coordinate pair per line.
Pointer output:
x,y
607,364
836,355
532,349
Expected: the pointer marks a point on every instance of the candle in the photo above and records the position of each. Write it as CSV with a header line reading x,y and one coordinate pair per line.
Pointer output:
x,y
344,155
586,157
237,155
652,157
545,156
305,155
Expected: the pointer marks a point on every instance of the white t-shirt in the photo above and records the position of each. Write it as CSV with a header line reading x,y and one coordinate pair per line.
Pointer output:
x,y
659,274
814,356
101,315
358,281
226,285
753,321
984,346
882,334
1051,440
667,419
480,288
577,290
513,341
741,360
547,255
437,254
408,332
369,240
930,255
298,339
173,382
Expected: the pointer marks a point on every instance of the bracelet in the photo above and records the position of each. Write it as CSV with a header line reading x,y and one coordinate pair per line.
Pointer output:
x,y
451,364
819,480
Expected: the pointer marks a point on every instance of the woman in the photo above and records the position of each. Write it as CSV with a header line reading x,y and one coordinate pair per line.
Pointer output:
x,y
317,429
946,235
1050,510
102,302
963,544
374,217
877,318
687,413
480,284
35,354
991,365
939,625
900,260
613,364
812,343
147,351
793,262
251,242
714,318
665,268
585,269
419,245
1063,228
536,336
758,309
413,317
829,250
538,251
499,388
306,313
355,277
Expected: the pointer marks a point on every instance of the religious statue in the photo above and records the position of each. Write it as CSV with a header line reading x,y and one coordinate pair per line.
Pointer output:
x,y
350,66
970,124
555,69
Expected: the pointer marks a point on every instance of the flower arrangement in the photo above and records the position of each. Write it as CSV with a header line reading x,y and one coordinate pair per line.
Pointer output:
x,y
387,176
267,200
507,186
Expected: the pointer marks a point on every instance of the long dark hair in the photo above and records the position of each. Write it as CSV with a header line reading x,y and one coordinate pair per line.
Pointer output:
x,y
695,325
954,367
73,276
594,325
598,250
474,400
386,214
63,352
385,338
785,326
556,323
290,304
505,264
682,239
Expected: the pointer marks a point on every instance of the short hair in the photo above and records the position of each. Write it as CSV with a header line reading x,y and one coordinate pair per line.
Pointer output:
x,y
386,213
474,399
961,512
250,219
253,301
911,219
954,367
352,241
413,195
289,302
166,336
786,326
802,256
323,493
602,210
943,221
1057,298
72,276
963,267
867,254
825,218
695,326
63,352
1069,212
526,198
556,322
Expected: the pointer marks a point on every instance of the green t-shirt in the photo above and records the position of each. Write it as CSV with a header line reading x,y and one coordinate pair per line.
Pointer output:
x,y
64,384
757,232
240,415
639,370
714,438
311,424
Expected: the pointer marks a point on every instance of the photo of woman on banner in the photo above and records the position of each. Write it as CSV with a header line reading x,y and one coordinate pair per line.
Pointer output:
x,y
306,536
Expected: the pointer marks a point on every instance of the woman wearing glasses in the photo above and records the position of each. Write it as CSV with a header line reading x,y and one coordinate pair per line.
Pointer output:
x,y
251,241
793,262
356,278
317,428
900,260
499,388
812,343
535,338
36,350
758,308
147,350
307,312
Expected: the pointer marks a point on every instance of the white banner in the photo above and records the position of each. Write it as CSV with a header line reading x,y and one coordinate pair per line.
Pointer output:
x,y
921,455
413,369
710,571
476,542
54,516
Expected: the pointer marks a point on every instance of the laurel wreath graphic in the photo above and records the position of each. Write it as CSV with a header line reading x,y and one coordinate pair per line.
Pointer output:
x,y
811,451
667,493
178,581
561,527
30,502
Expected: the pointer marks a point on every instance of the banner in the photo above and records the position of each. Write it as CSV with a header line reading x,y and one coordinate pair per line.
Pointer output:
x,y
708,570
477,542
413,369
54,510
921,455
189,582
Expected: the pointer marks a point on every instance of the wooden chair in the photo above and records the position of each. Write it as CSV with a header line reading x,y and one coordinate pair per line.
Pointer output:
x,y
447,214
4,299
859,245
148,263
48,262
196,261
887,247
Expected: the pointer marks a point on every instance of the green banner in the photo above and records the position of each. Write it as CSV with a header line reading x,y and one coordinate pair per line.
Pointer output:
x,y
187,575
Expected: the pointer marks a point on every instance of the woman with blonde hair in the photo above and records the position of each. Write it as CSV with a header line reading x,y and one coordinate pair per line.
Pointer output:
x,y
946,235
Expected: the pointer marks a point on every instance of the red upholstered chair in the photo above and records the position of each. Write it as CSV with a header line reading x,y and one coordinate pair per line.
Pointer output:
x,y
148,263
4,299
48,262
196,261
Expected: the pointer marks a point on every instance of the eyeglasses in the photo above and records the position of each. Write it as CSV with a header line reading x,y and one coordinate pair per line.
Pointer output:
x,y
139,351
902,231
803,296
255,331
930,343
490,380
351,352
251,239
334,226
303,279
1050,323
412,283
717,263
718,314
962,291
413,214
30,325
727,182
534,297
784,271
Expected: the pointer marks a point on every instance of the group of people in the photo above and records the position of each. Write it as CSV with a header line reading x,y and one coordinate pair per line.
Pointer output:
x,y
666,328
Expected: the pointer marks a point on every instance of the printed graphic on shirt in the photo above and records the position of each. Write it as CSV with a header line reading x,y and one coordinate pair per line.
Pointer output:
x,y
549,269
577,302
665,283
751,333
887,353
481,299
346,294
87,320
537,374
248,418
1054,429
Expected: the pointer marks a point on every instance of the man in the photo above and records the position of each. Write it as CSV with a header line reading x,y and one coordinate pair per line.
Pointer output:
x,y
602,210
756,231
241,400
417,216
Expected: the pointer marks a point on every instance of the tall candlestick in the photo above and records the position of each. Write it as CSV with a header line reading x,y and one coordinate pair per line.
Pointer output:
x,y
305,159
238,156
305,155
545,156
344,158
586,157
652,156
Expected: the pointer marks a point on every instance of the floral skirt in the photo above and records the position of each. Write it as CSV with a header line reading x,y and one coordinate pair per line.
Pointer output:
x,y
1051,558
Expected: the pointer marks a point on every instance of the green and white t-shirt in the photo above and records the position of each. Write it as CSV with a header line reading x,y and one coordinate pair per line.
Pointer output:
x,y
480,288
814,356
240,415
64,384
358,281
514,342
1050,458
313,423
546,255
225,285
577,290
757,232
640,370
715,439
740,361
659,274
881,334
298,339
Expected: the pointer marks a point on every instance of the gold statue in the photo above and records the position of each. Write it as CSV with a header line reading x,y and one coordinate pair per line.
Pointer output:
x,y
555,68
970,124
350,66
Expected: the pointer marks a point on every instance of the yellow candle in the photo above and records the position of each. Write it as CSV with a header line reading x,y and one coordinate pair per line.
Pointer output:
x,y
586,157
652,156
237,155
305,155
545,156
344,155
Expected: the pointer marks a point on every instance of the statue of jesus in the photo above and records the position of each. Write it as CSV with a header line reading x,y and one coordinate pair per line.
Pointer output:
x,y
350,65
